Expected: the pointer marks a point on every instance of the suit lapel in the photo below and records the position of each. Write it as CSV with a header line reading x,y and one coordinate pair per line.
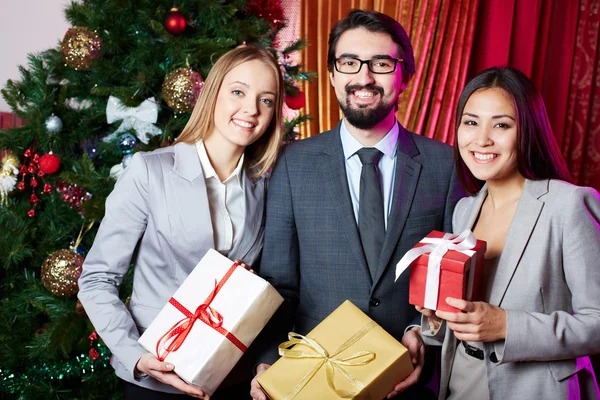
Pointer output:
x,y
405,183
472,211
337,186
254,192
524,221
189,192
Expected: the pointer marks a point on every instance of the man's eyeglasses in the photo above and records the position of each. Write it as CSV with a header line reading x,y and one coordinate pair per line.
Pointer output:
x,y
352,65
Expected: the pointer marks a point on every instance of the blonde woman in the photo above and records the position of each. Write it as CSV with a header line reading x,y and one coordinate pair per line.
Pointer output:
x,y
173,204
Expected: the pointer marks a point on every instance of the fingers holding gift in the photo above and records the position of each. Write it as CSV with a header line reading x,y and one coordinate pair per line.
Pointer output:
x,y
163,372
242,264
171,379
408,382
416,348
255,390
426,312
478,321
414,343
434,322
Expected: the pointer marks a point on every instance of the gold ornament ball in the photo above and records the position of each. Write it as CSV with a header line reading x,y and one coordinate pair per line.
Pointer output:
x,y
61,271
9,166
181,89
11,160
81,48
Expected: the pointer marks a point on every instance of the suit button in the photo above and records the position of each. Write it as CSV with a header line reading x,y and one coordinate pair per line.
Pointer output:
x,y
374,302
493,357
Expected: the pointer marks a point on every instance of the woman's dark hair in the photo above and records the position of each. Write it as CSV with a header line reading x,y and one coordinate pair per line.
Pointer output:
x,y
375,22
538,155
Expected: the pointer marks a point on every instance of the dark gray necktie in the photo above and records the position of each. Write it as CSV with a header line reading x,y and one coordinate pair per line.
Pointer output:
x,y
371,225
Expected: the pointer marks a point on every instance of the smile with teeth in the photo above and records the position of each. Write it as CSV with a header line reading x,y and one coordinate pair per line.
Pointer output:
x,y
243,124
484,157
363,94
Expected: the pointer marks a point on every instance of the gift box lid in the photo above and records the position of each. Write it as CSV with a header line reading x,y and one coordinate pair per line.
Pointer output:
x,y
453,261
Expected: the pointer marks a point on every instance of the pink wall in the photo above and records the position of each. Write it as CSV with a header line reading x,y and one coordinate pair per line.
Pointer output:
x,y
27,26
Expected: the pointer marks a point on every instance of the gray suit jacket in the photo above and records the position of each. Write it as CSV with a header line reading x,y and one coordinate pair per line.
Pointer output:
x,y
157,218
313,254
548,281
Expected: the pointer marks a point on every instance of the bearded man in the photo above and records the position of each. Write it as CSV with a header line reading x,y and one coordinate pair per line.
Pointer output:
x,y
344,206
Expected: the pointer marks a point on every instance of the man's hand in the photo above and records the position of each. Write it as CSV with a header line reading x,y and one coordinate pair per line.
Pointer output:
x,y
255,390
163,372
247,267
479,321
414,343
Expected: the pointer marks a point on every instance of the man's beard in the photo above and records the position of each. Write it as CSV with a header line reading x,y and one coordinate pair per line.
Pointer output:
x,y
362,117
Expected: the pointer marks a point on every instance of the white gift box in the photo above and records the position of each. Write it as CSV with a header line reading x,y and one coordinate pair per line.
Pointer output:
x,y
237,306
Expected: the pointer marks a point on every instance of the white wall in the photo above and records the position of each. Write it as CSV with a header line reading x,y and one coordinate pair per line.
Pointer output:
x,y
27,26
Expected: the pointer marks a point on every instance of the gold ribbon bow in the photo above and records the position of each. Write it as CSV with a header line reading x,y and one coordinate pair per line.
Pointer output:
x,y
332,363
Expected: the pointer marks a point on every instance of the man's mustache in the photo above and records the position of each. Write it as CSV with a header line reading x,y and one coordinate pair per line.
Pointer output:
x,y
351,88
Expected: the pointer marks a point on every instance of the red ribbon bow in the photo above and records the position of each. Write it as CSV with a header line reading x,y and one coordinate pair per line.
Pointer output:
x,y
176,335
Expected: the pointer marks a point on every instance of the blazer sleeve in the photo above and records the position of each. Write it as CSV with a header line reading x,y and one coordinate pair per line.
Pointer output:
x,y
108,261
279,263
562,334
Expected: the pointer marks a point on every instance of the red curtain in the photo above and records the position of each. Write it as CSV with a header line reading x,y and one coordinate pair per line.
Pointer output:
x,y
555,42
8,121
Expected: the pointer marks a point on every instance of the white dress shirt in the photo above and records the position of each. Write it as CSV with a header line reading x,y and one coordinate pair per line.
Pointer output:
x,y
226,200
386,165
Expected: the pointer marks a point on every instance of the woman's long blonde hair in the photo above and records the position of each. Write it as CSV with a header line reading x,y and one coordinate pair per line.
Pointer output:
x,y
262,153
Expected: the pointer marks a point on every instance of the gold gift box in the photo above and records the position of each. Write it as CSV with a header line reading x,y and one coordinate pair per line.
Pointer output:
x,y
347,356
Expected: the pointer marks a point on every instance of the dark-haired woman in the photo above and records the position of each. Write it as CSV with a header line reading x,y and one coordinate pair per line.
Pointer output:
x,y
531,337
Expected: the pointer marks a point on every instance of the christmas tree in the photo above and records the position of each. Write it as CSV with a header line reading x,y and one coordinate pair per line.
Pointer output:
x,y
123,79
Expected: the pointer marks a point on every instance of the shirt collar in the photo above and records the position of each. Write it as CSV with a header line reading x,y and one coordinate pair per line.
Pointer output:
x,y
209,171
387,145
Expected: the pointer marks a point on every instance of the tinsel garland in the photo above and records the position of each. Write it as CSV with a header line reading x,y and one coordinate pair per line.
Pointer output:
x,y
54,372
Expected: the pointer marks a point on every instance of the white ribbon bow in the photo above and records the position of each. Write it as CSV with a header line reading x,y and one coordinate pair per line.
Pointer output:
x,y
438,247
141,118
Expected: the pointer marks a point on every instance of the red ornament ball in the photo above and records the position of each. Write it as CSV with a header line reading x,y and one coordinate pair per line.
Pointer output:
x,y
296,102
49,163
174,22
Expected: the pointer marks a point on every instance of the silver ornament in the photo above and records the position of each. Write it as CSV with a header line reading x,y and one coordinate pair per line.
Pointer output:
x,y
126,143
53,124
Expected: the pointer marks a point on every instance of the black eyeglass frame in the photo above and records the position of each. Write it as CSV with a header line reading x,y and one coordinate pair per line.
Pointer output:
x,y
396,60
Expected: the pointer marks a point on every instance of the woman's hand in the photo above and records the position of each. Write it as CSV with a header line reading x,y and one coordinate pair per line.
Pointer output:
x,y
478,321
163,372
433,320
242,264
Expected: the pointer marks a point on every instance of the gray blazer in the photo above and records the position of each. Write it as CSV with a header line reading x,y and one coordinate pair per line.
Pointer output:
x,y
313,254
548,281
157,218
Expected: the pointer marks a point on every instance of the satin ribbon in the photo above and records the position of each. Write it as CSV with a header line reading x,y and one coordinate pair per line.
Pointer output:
x,y
141,118
438,247
176,335
331,362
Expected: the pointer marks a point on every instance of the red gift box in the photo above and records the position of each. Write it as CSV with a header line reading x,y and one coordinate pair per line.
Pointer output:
x,y
457,270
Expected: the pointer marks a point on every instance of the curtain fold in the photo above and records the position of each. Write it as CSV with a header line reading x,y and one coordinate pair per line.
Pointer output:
x,y
581,144
441,33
